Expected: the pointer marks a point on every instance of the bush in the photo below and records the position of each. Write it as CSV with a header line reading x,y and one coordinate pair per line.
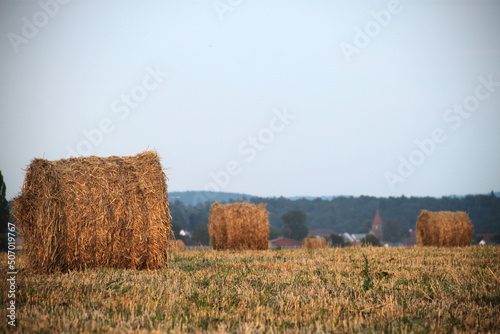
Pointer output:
x,y
370,240
337,240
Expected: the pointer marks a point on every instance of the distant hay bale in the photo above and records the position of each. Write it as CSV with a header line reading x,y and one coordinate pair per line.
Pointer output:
x,y
314,243
444,228
238,226
179,245
95,212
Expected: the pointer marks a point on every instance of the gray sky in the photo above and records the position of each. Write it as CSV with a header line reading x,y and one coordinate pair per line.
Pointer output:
x,y
267,98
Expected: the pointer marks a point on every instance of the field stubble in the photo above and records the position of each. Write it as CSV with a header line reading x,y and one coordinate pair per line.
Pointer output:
x,y
342,290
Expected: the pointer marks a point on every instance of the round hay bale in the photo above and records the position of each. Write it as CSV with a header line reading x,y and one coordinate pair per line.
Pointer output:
x,y
92,212
179,245
238,226
444,228
313,243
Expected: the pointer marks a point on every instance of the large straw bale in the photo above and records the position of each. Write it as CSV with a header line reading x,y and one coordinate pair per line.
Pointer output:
x,y
444,228
314,243
95,212
238,226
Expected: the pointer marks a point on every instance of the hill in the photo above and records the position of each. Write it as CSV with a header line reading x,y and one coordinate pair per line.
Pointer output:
x,y
199,197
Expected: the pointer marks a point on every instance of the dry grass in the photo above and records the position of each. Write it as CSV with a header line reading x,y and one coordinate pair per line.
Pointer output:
x,y
429,290
238,226
95,212
314,243
444,228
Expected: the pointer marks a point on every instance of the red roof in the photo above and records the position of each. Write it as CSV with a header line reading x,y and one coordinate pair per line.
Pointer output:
x,y
284,242
377,220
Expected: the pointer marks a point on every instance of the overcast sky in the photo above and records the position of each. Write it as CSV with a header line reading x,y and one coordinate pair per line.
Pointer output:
x,y
268,98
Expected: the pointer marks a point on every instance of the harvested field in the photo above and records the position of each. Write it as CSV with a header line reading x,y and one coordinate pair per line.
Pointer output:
x,y
375,290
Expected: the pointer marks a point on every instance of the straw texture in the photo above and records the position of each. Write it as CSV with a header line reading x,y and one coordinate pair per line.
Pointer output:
x,y
238,226
95,212
444,228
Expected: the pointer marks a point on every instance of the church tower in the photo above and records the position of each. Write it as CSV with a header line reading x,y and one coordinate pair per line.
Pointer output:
x,y
377,226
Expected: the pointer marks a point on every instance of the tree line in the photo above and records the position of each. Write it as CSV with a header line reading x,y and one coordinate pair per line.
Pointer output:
x,y
354,214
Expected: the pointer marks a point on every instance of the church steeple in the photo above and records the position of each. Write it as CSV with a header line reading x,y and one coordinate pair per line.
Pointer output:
x,y
377,226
